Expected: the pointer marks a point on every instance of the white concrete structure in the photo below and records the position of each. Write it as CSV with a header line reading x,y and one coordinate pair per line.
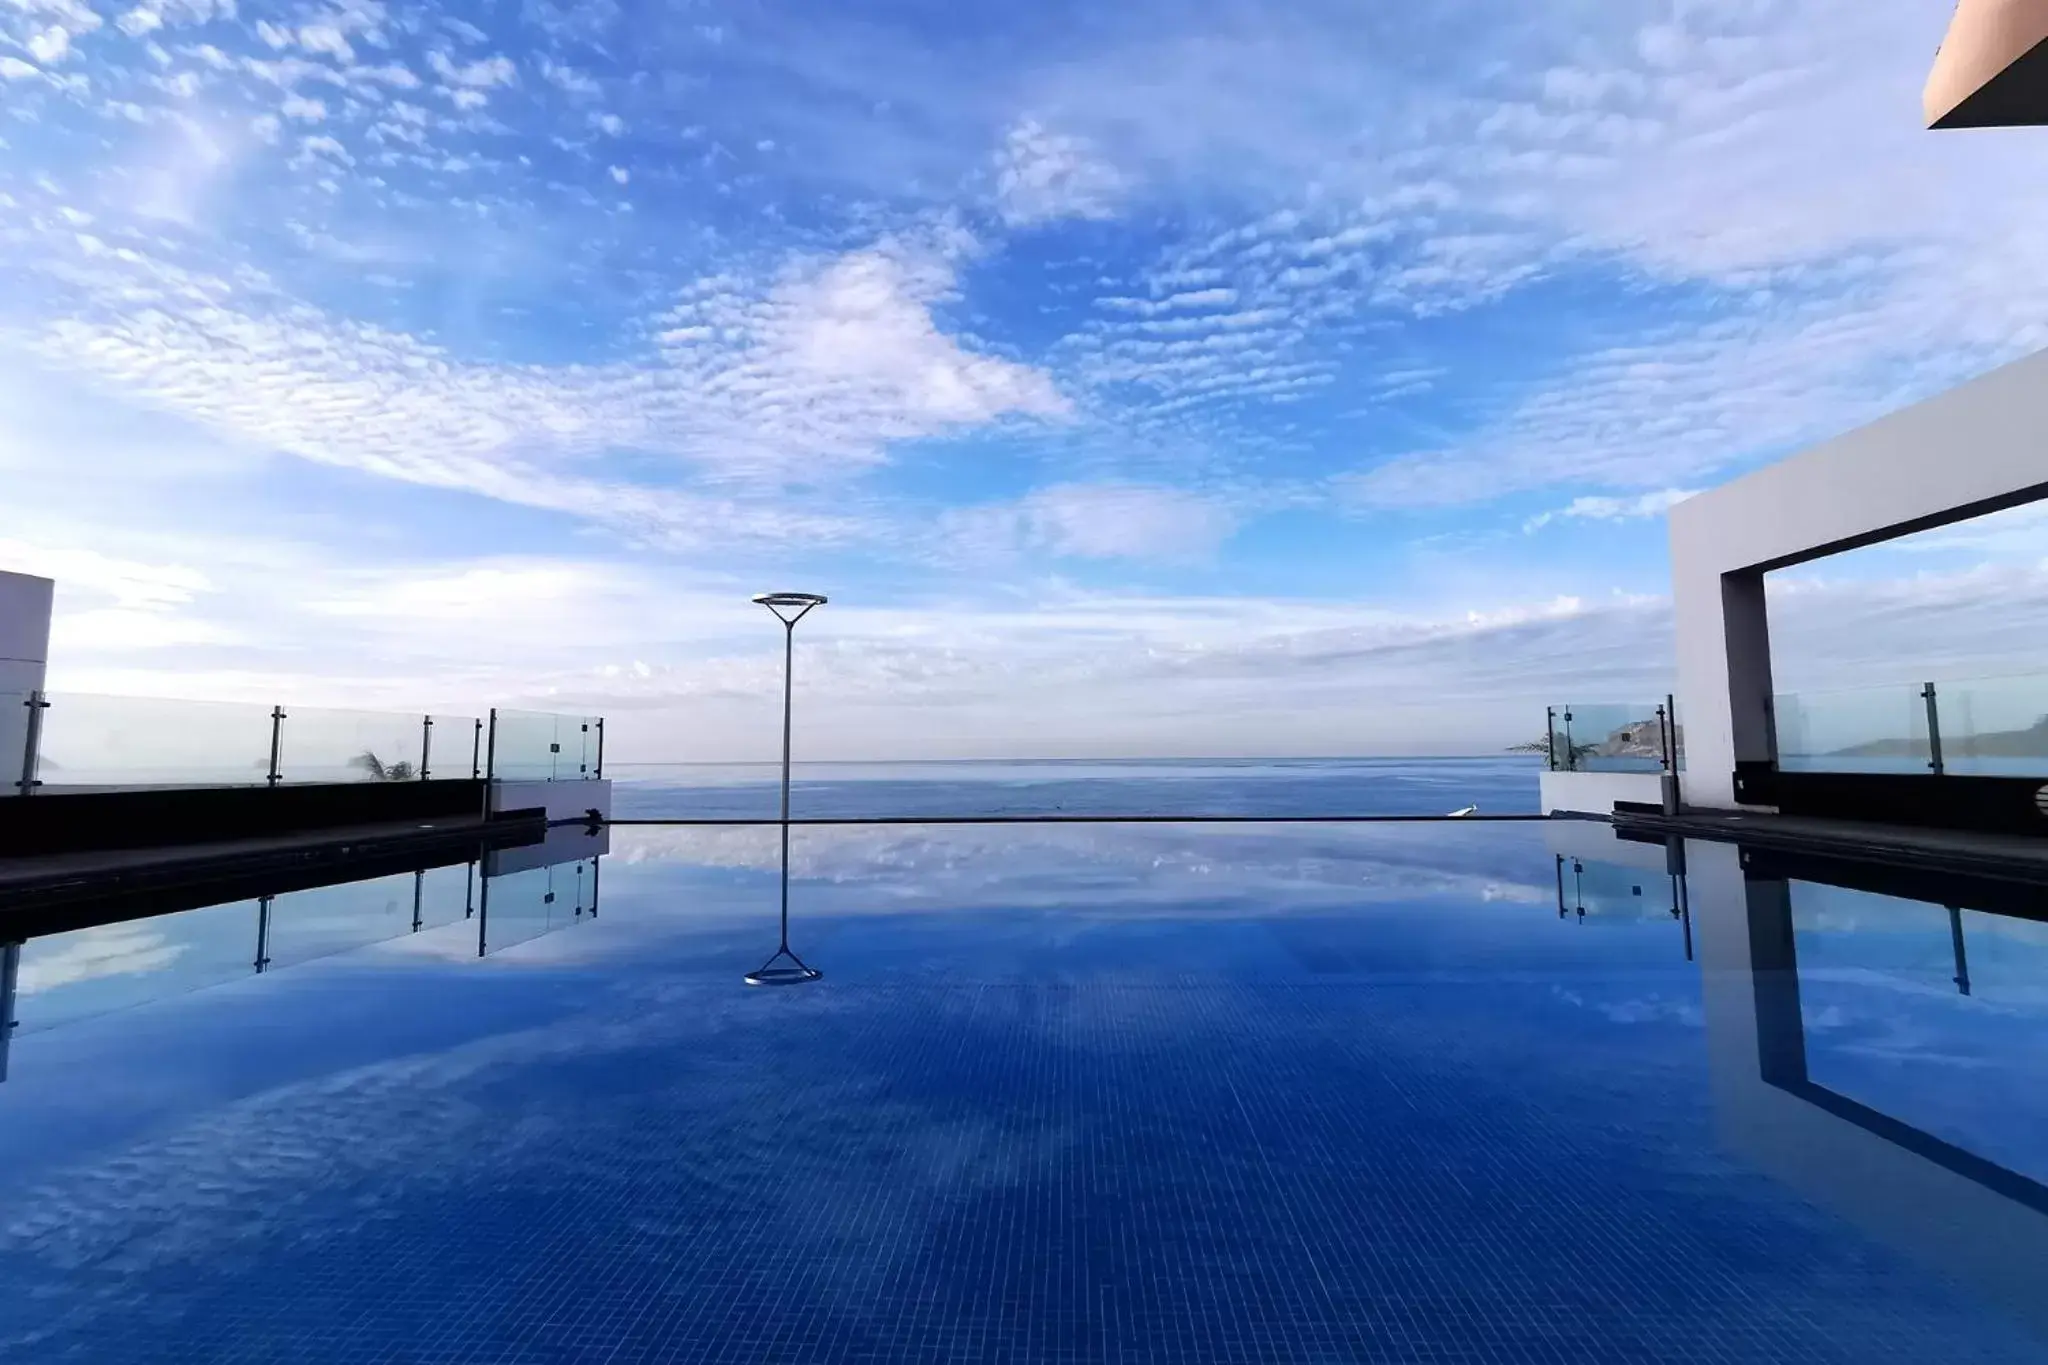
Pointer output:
x,y
24,631
1976,449
565,800
1583,793
24,655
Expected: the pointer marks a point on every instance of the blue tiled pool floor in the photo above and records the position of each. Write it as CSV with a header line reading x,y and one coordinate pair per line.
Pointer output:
x,y
1439,1130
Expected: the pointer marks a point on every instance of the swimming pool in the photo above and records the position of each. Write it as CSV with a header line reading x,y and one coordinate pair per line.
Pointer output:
x,y
1067,1094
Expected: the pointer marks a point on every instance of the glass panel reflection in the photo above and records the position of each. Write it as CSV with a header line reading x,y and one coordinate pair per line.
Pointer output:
x,y
113,966
332,919
520,906
1932,1015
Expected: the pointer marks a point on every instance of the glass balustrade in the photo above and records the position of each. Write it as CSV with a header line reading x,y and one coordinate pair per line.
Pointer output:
x,y
78,742
1612,737
1966,727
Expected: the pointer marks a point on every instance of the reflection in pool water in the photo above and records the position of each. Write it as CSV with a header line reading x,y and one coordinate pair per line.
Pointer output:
x,y
1301,1093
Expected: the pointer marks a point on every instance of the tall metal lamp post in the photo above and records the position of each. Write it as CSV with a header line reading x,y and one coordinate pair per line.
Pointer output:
x,y
789,608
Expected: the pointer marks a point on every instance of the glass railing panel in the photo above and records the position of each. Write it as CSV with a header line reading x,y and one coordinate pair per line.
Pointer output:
x,y
1994,727
97,741
524,746
320,745
1558,756
1610,737
455,747
14,723
1864,729
113,966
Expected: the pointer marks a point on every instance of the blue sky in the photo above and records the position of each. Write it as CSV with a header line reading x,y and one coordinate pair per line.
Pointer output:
x,y
1193,378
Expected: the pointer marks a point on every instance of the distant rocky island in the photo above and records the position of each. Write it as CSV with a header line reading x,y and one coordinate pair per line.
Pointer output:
x,y
1637,739
2031,742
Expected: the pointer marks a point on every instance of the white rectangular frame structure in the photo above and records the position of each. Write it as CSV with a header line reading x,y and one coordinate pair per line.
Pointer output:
x,y
1976,449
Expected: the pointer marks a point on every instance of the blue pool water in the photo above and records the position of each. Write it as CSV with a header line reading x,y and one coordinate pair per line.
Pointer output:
x,y
1094,1093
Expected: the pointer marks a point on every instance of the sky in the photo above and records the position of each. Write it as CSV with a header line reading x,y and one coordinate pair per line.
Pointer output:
x,y
1153,379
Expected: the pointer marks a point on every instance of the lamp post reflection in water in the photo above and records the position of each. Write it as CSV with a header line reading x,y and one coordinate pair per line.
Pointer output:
x,y
785,968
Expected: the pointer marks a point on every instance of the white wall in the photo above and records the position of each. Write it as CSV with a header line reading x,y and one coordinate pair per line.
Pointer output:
x,y
24,631
561,800
1596,793
1960,454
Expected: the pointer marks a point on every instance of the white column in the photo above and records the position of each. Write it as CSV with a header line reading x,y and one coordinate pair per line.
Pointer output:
x,y
24,654
24,631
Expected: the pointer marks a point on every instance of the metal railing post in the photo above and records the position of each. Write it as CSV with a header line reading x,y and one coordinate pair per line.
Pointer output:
x,y
476,751
426,744
263,931
1667,716
1550,736
10,972
1933,730
1955,933
491,749
600,749
32,742
419,886
1571,750
276,746
483,914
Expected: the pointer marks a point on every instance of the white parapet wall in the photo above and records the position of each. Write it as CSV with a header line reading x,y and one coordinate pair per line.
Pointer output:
x,y
561,800
25,602
1596,793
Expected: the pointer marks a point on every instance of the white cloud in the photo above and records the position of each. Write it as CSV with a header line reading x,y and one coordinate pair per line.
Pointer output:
x,y
311,148
15,69
568,78
1043,175
90,954
1613,509
139,21
51,45
483,74
303,108
328,39
804,377
1096,521
620,175
611,125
